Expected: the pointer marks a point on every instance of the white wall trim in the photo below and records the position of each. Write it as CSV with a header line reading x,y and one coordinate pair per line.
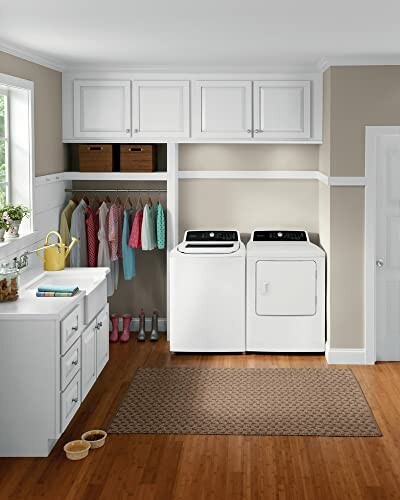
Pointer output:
x,y
28,55
335,356
371,137
361,60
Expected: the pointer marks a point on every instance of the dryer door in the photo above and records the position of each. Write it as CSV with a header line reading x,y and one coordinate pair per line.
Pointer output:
x,y
286,288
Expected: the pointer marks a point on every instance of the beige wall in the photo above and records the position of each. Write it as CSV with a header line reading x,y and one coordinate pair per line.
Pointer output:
x,y
49,155
360,96
246,205
248,157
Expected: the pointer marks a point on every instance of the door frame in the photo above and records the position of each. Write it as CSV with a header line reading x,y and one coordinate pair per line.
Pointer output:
x,y
372,135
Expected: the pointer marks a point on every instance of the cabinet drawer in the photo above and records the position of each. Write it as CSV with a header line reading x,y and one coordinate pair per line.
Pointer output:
x,y
70,329
70,364
70,401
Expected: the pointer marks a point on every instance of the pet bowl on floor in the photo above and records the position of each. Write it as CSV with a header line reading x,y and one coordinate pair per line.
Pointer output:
x,y
95,438
76,450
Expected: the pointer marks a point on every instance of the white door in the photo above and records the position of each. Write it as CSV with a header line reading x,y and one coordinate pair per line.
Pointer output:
x,y
102,108
222,109
102,340
282,110
388,248
89,355
160,109
286,288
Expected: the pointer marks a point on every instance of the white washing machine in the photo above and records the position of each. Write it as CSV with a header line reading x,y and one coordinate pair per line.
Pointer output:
x,y
208,293
285,293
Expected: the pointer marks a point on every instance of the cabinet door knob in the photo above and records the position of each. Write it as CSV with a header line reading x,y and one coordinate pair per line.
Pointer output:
x,y
99,324
249,130
127,130
75,400
257,130
75,328
380,263
75,362
136,130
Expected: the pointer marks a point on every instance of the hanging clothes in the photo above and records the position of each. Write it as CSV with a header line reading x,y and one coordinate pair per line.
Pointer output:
x,y
128,253
65,225
115,231
148,228
160,226
79,257
92,230
135,239
103,257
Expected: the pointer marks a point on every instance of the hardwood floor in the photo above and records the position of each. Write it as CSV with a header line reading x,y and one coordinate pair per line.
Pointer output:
x,y
215,467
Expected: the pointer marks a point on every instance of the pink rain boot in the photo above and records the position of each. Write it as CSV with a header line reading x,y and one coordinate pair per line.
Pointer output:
x,y
114,332
126,319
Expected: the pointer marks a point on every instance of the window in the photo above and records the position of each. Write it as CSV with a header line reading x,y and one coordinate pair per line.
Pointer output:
x,y
4,162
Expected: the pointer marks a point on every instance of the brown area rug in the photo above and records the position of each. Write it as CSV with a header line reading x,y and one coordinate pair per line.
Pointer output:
x,y
245,401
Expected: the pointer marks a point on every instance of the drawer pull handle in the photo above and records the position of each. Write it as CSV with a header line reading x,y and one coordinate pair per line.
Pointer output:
x,y
75,328
75,362
95,148
75,400
135,150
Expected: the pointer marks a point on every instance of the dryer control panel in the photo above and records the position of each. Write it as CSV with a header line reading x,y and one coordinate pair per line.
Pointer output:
x,y
286,236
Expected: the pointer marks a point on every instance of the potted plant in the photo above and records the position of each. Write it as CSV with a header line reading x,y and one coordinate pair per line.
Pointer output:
x,y
13,215
4,226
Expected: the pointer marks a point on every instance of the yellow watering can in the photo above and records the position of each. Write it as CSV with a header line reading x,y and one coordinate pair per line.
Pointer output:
x,y
54,255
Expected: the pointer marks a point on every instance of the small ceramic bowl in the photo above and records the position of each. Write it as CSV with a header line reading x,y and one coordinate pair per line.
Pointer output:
x,y
95,438
76,450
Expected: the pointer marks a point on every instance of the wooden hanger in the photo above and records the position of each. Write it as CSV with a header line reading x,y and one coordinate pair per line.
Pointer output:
x,y
128,202
117,200
85,199
139,201
94,200
149,201
74,198
107,199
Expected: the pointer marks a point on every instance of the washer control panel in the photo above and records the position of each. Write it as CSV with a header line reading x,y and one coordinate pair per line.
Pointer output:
x,y
286,236
211,235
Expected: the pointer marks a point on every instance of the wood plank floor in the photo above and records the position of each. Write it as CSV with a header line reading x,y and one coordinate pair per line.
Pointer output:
x,y
215,467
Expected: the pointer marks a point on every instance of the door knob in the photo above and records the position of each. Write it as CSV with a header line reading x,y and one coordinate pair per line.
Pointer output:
x,y
249,130
379,263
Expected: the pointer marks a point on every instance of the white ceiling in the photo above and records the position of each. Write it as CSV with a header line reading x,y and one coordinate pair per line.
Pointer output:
x,y
207,33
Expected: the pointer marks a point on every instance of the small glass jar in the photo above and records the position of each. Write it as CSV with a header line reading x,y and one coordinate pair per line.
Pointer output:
x,y
9,283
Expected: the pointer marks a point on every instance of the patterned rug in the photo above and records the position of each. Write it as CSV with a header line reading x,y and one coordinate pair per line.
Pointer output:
x,y
245,401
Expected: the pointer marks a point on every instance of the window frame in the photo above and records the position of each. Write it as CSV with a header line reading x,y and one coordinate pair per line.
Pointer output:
x,y
6,138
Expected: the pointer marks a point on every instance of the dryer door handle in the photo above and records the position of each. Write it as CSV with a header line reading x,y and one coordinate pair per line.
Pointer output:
x,y
264,287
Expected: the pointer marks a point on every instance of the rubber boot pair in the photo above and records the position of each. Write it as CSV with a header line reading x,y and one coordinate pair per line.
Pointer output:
x,y
154,327
126,331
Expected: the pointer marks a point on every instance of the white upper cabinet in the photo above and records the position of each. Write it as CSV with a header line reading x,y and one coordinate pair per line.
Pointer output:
x,y
102,108
222,109
282,110
160,108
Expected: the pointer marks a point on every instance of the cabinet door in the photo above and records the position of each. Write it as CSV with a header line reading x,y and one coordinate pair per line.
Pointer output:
x,y
160,109
89,356
282,110
222,109
102,340
102,108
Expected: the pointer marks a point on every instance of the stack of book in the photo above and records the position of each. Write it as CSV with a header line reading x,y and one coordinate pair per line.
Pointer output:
x,y
57,291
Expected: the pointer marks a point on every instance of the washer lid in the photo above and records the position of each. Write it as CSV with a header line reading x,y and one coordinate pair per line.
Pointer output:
x,y
210,242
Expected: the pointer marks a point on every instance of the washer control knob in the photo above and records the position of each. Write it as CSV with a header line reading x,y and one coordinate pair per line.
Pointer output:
x,y
280,235
211,235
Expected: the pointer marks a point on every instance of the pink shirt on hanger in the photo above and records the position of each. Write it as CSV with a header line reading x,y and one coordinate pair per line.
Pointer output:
x,y
135,239
115,231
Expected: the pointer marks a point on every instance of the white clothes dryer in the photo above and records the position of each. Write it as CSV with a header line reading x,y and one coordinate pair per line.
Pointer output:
x,y
285,293
208,293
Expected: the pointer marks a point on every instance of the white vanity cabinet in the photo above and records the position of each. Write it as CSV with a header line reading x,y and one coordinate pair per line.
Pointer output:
x,y
51,353
160,108
222,109
102,108
282,109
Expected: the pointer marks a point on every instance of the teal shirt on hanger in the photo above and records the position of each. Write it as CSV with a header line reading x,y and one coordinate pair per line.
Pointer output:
x,y
128,253
160,224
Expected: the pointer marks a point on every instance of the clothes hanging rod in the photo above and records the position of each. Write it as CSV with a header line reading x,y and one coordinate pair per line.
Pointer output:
x,y
70,190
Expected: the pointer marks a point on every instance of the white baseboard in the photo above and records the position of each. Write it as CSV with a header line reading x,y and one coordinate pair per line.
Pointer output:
x,y
162,324
336,356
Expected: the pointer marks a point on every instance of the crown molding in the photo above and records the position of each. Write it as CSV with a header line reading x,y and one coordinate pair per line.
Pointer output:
x,y
368,60
30,56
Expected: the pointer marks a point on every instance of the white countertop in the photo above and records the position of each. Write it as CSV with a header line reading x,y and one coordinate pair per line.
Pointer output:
x,y
28,306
